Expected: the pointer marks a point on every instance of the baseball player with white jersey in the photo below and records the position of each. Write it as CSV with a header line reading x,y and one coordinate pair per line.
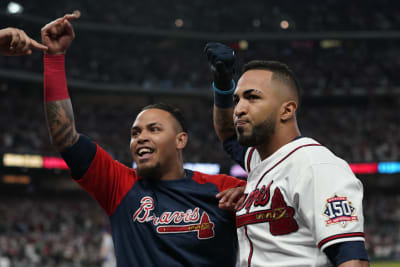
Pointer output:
x,y
302,204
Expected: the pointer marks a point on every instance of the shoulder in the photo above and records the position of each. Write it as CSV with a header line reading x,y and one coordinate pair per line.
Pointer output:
x,y
319,165
222,181
306,152
207,178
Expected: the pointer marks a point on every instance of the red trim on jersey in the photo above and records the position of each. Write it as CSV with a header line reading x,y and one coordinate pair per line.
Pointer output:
x,y
249,158
262,177
107,180
339,236
285,157
251,247
222,181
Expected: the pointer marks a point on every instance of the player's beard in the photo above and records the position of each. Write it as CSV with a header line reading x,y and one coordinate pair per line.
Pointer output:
x,y
260,134
150,173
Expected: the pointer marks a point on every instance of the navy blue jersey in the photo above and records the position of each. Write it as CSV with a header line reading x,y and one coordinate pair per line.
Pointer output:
x,y
163,223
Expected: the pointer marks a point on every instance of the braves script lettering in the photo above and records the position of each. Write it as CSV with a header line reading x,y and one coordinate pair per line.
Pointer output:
x,y
191,219
280,215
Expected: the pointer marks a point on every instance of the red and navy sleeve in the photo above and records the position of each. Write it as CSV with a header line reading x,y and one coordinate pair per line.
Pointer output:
x,y
105,179
79,156
222,181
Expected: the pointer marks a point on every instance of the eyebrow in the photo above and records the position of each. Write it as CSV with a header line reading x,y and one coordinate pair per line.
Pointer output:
x,y
148,125
249,91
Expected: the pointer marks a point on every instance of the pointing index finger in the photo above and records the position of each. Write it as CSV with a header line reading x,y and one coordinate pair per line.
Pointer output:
x,y
38,46
74,15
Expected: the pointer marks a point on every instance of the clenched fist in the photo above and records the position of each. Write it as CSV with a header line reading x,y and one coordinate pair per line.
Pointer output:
x,y
58,34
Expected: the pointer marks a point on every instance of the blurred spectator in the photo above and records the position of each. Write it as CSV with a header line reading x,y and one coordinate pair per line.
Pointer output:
x,y
324,67
107,254
69,230
357,133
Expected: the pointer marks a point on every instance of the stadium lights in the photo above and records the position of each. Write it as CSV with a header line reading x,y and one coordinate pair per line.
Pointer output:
x,y
326,44
14,8
44,162
284,24
179,23
357,168
243,44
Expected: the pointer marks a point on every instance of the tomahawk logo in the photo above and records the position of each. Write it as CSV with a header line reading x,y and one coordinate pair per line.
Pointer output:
x,y
339,210
171,222
279,216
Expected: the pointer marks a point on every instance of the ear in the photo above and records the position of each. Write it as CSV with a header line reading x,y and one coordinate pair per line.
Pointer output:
x,y
181,140
288,110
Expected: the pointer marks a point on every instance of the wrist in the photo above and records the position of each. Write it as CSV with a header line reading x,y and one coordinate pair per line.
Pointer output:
x,y
54,62
55,82
228,91
224,84
223,98
54,53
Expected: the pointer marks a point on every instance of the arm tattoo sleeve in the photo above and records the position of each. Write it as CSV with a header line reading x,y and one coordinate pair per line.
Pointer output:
x,y
223,123
61,124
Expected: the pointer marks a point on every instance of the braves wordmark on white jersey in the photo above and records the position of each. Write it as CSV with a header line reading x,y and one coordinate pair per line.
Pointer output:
x,y
299,201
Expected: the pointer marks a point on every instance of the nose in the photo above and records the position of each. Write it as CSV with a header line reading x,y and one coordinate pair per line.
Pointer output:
x,y
142,138
139,138
240,109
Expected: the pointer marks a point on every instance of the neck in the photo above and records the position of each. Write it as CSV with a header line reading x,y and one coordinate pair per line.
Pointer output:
x,y
174,172
282,136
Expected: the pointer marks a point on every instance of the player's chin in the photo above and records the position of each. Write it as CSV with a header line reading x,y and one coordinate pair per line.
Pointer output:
x,y
150,171
145,163
245,139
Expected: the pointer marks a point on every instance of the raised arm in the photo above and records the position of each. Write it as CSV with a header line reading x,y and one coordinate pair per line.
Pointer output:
x,y
221,59
57,36
15,42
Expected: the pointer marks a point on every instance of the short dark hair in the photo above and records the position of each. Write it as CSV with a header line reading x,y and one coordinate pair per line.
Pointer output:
x,y
175,112
280,71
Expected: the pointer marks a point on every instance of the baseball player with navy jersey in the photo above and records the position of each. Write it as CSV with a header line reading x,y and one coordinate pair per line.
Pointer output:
x,y
303,204
160,213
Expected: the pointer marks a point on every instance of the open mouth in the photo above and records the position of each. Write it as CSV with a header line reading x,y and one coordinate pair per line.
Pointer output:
x,y
144,152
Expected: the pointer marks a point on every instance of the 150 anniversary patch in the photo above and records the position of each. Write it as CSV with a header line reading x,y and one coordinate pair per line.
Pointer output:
x,y
339,210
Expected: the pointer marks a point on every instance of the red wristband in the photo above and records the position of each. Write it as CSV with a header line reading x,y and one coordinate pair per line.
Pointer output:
x,y
55,82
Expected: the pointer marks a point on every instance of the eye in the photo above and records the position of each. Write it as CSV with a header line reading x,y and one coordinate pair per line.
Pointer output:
x,y
134,133
235,101
155,129
253,97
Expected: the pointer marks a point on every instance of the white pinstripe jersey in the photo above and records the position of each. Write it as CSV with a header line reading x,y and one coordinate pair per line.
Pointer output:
x,y
299,201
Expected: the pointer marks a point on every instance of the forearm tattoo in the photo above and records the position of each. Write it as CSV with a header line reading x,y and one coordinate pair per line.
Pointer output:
x,y
60,120
223,123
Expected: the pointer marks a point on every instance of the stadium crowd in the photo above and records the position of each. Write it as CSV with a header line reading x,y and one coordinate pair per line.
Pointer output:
x,y
67,232
228,16
350,67
64,233
50,232
365,133
150,60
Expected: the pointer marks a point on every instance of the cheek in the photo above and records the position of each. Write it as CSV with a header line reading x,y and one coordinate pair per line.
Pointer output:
x,y
132,145
166,146
264,110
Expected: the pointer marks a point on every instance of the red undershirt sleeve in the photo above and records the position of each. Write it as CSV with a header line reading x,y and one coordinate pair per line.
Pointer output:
x,y
107,180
